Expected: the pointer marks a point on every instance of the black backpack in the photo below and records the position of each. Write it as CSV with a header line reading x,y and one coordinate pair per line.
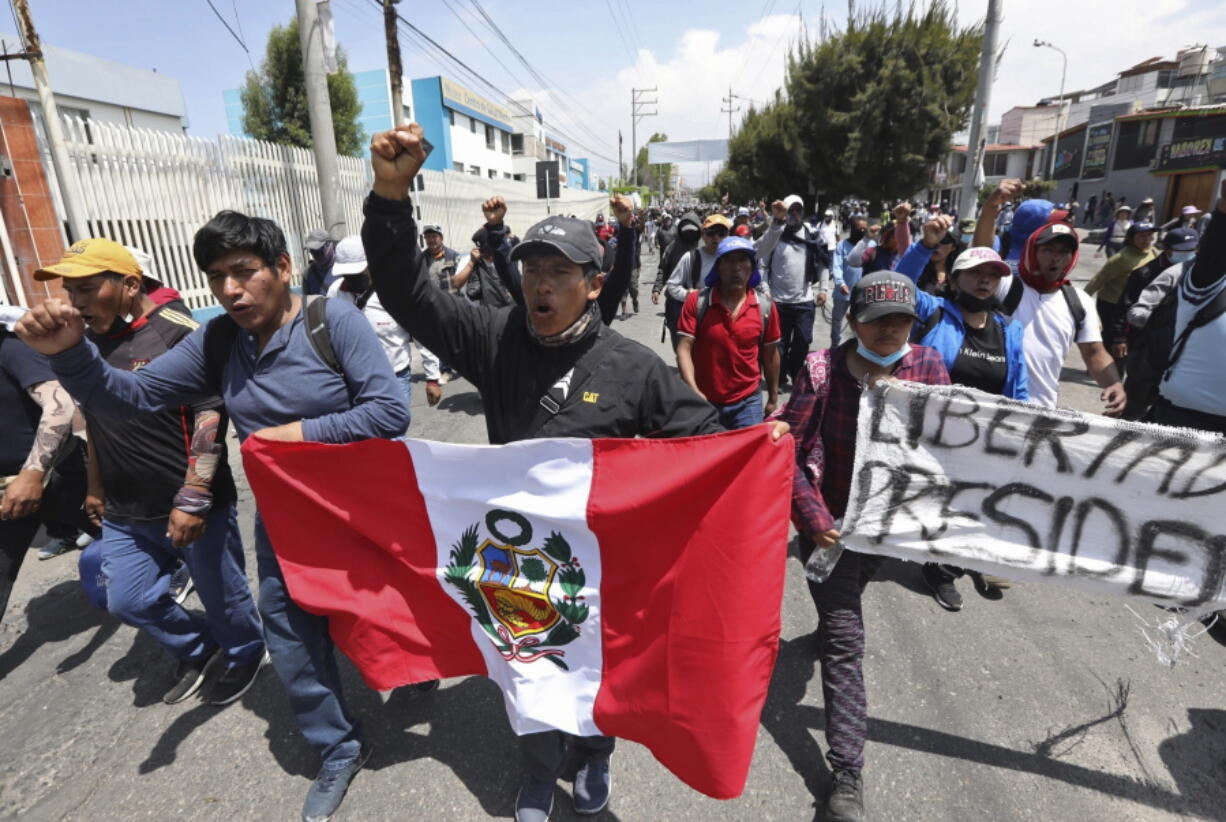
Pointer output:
x,y
221,332
1014,298
1155,349
704,302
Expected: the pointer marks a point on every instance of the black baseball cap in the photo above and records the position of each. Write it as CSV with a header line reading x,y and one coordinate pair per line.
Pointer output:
x,y
568,236
1057,232
880,294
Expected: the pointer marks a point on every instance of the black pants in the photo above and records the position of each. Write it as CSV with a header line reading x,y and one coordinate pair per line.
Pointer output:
x,y
60,510
796,335
1167,413
545,753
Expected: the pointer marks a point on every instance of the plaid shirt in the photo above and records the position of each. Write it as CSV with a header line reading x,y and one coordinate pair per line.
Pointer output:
x,y
815,510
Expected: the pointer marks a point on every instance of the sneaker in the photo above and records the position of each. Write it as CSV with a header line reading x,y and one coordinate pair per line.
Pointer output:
x,y
233,682
988,586
189,676
593,784
181,584
846,802
535,801
57,547
943,590
328,790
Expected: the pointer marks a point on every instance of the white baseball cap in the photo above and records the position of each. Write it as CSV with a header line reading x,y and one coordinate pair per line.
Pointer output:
x,y
982,255
350,256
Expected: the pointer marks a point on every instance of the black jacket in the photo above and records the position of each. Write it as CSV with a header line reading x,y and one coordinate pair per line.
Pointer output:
x,y
630,391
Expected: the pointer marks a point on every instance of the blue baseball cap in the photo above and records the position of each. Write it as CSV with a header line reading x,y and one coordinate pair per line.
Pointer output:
x,y
728,245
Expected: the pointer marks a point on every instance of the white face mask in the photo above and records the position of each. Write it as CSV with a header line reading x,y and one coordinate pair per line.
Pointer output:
x,y
1181,256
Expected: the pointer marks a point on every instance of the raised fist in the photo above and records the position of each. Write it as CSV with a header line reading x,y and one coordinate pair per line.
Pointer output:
x,y
778,210
396,157
1009,189
52,327
622,208
495,210
901,212
935,229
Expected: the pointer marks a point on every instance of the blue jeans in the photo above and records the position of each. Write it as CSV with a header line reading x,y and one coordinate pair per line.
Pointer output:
x,y
838,310
405,379
741,414
304,659
137,559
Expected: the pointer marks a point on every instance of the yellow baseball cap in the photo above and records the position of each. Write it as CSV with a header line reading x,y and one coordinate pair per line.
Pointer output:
x,y
717,219
86,258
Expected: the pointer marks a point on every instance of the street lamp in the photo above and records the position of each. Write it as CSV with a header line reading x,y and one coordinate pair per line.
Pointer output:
x,y
1060,116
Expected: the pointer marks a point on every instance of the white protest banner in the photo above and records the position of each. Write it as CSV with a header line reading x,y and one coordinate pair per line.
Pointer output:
x,y
957,476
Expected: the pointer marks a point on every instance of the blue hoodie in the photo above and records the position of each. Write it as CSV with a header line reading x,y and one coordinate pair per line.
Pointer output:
x,y
949,332
1027,219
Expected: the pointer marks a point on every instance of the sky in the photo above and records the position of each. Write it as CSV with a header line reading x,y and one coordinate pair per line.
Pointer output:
x,y
592,53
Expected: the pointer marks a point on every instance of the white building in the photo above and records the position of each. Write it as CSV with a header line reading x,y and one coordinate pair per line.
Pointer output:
x,y
96,89
470,133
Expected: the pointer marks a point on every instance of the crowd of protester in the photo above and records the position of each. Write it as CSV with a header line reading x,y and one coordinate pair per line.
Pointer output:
x,y
117,401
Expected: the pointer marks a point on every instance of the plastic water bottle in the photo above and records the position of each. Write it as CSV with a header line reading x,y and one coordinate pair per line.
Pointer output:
x,y
822,561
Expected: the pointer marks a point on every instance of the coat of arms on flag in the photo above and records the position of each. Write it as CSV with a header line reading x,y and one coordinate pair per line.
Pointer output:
x,y
627,588
529,601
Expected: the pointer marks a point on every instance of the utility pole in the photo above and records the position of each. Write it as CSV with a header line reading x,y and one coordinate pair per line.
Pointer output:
x,y
968,202
636,114
730,110
394,72
621,166
65,172
323,138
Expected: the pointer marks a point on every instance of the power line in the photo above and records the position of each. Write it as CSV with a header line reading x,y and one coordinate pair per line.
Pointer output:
x,y
233,33
481,79
617,24
544,82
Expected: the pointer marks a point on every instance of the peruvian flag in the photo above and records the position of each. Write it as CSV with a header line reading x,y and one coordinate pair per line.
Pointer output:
x,y
618,587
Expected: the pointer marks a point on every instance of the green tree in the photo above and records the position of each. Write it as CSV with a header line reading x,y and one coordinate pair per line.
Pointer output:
x,y
868,111
876,105
764,156
275,102
654,176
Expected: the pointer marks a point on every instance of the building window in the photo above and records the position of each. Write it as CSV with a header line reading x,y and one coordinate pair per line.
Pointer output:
x,y
517,144
472,124
458,167
1136,143
474,171
506,175
493,174
518,177
450,117
996,165
489,138
506,142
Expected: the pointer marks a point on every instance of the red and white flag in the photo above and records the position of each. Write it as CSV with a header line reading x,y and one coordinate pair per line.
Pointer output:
x,y
628,588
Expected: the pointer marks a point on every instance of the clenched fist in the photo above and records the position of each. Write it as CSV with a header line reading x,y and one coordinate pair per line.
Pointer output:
x,y
778,210
1008,189
396,157
935,229
495,210
52,327
622,208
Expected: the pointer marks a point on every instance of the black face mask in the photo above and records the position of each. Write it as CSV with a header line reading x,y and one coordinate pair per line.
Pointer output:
x,y
855,235
969,302
357,283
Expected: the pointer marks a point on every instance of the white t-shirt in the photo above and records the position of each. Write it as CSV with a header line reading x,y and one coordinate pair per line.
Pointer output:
x,y
1049,335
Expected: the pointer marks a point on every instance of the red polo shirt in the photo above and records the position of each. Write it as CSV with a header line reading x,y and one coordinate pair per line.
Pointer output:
x,y
726,363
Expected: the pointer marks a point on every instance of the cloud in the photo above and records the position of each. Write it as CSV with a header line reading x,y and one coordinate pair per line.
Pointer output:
x,y
692,79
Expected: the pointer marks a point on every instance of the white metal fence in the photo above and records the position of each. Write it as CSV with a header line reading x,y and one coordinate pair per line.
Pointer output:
x,y
153,190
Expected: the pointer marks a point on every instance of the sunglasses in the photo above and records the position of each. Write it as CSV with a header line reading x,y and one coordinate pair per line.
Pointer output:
x,y
716,232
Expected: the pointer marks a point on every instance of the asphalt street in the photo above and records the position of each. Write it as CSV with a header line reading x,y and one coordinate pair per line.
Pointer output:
x,y
1044,705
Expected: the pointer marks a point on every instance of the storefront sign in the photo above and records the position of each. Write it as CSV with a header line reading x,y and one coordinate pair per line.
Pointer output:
x,y
1098,144
456,97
